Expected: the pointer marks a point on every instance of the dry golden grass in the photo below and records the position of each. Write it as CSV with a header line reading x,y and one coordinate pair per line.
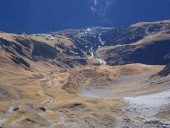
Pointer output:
x,y
57,39
42,85
8,36
151,23
31,89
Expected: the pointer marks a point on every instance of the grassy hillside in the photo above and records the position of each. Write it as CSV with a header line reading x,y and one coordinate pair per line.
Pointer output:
x,y
146,43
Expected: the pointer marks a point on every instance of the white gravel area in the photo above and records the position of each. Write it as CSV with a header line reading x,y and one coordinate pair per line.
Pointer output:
x,y
151,104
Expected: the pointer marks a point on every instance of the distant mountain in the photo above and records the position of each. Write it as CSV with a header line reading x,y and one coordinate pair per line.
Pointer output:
x,y
38,16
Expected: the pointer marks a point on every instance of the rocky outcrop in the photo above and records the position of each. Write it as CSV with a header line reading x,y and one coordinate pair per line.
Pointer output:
x,y
165,71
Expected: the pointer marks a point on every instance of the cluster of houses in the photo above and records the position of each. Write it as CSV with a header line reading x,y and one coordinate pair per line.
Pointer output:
x,y
47,37
93,31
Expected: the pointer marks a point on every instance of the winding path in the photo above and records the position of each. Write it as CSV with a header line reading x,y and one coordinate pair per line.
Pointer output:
x,y
52,98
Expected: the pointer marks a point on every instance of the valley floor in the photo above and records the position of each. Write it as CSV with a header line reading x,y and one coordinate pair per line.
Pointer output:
x,y
128,96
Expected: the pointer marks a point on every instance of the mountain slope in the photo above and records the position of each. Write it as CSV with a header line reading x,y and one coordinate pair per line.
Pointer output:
x,y
146,43
26,49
